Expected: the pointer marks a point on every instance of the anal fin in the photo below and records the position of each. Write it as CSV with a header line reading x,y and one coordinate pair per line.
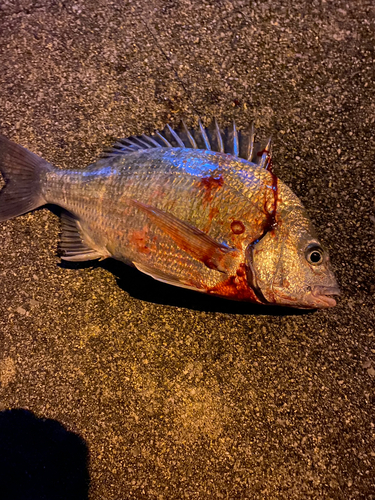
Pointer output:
x,y
73,244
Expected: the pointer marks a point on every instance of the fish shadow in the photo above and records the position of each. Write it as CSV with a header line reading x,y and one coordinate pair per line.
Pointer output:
x,y
40,459
143,287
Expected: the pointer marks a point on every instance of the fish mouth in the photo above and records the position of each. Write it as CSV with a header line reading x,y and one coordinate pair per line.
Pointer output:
x,y
322,295
316,297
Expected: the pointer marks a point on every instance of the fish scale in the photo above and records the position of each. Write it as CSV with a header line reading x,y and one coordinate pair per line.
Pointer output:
x,y
181,193
195,218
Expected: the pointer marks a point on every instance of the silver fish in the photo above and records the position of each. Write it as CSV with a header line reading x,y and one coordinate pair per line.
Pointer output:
x,y
199,209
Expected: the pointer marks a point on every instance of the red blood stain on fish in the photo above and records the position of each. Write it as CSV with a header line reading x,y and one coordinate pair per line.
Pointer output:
x,y
235,287
269,164
211,215
272,214
211,184
139,240
237,227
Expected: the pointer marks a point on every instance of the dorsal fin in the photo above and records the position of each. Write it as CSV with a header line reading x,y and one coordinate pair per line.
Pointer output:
x,y
239,143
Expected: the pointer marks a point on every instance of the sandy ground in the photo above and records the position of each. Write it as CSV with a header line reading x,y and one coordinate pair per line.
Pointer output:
x,y
154,392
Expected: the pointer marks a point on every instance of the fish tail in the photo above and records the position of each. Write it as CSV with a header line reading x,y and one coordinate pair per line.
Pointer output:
x,y
21,170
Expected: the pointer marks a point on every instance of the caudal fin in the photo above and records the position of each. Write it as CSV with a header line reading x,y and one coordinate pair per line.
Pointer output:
x,y
21,170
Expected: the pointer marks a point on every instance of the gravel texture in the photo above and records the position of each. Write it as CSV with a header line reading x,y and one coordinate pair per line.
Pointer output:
x,y
160,393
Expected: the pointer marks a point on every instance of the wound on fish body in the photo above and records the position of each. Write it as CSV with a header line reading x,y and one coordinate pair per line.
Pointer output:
x,y
198,209
237,227
211,184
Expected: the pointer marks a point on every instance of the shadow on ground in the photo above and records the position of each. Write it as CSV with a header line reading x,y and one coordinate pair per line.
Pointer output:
x,y
40,459
143,287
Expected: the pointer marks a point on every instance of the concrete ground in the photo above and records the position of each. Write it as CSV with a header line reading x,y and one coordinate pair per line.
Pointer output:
x,y
153,392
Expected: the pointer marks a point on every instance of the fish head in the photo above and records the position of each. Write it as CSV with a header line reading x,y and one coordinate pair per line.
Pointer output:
x,y
288,266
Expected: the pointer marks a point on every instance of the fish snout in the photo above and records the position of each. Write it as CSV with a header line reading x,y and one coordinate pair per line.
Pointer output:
x,y
323,295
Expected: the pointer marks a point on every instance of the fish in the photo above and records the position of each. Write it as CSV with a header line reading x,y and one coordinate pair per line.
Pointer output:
x,y
198,208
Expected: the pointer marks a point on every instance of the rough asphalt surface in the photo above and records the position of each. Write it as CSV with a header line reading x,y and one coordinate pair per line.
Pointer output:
x,y
153,392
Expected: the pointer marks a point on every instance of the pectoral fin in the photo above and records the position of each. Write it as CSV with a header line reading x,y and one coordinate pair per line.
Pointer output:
x,y
191,239
164,277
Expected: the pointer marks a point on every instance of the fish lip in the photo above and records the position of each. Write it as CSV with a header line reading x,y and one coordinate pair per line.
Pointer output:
x,y
322,295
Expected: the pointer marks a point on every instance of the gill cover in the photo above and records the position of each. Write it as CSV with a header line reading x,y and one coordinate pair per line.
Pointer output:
x,y
288,265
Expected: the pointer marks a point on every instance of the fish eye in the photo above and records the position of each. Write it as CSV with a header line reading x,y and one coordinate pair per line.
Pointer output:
x,y
314,255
